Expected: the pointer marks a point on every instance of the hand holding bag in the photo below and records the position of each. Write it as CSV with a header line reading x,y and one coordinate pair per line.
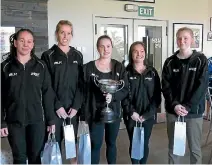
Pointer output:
x,y
137,151
70,147
179,137
51,153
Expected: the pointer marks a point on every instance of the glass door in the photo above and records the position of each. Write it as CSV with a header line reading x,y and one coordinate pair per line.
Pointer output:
x,y
120,31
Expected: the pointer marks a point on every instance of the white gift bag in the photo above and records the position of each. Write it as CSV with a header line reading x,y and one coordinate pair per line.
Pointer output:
x,y
137,151
70,147
84,144
179,137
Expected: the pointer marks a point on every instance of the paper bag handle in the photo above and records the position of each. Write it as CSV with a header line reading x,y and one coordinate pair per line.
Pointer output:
x,y
183,119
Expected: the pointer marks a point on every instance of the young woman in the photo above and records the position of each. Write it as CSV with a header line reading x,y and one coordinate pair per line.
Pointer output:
x,y
95,100
27,99
184,84
144,96
65,66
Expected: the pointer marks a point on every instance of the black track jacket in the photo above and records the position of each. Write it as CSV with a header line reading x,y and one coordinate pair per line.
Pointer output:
x,y
27,96
185,82
67,76
144,93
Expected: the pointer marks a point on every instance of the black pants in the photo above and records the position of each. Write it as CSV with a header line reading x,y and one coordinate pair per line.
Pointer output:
x,y
148,125
59,128
97,133
27,142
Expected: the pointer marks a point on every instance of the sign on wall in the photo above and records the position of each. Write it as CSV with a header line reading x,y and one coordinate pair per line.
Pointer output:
x,y
4,38
145,11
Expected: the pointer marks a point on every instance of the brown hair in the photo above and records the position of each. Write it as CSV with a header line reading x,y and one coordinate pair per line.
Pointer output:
x,y
14,37
63,22
131,50
103,37
185,29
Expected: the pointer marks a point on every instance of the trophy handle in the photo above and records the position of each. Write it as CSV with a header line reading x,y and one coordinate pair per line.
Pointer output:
x,y
121,82
96,81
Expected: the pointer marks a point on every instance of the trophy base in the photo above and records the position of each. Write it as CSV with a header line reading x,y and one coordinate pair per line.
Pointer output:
x,y
108,116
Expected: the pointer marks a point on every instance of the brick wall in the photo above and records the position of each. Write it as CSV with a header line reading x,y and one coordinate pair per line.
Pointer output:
x,y
30,14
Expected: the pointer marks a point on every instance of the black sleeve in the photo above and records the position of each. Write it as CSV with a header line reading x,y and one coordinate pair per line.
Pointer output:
x,y
201,85
126,103
48,96
156,98
3,98
77,103
85,99
121,94
46,59
166,86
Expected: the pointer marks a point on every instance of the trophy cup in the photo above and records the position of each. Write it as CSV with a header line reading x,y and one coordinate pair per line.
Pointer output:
x,y
108,86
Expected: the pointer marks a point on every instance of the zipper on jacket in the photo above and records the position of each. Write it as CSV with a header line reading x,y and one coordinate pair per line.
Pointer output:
x,y
42,104
24,95
68,76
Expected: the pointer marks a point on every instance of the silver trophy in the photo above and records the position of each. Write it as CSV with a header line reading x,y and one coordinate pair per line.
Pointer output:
x,y
108,86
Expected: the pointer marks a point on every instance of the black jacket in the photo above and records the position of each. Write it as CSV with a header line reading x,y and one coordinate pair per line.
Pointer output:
x,y
26,96
67,76
89,106
144,93
185,82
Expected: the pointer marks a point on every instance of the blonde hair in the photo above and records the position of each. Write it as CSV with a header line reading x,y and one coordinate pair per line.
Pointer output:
x,y
61,23
185,29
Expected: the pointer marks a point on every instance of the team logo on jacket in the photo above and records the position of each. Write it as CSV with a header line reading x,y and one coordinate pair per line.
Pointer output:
x,y
57,62
133,78
75,62
193,69
148,78
35,74
94,75
13,74
176,70
117,74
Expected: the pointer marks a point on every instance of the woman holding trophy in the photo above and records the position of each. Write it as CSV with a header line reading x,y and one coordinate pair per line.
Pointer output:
x,y
106,85
143,99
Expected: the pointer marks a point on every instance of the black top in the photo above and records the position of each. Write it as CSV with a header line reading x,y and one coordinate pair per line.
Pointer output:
x,y
100,98
91,92
185,82
27,95
67,76
145,92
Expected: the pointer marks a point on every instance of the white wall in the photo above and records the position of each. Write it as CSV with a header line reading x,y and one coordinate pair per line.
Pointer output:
x,y
81,12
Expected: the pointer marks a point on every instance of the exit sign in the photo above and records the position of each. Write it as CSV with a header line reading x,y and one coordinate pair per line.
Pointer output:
x,y
146,11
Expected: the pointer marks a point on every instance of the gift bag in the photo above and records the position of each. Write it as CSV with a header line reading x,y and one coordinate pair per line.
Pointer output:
x,y
137,151
70,148
84,145
6,156
51,153
83,128
179,137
